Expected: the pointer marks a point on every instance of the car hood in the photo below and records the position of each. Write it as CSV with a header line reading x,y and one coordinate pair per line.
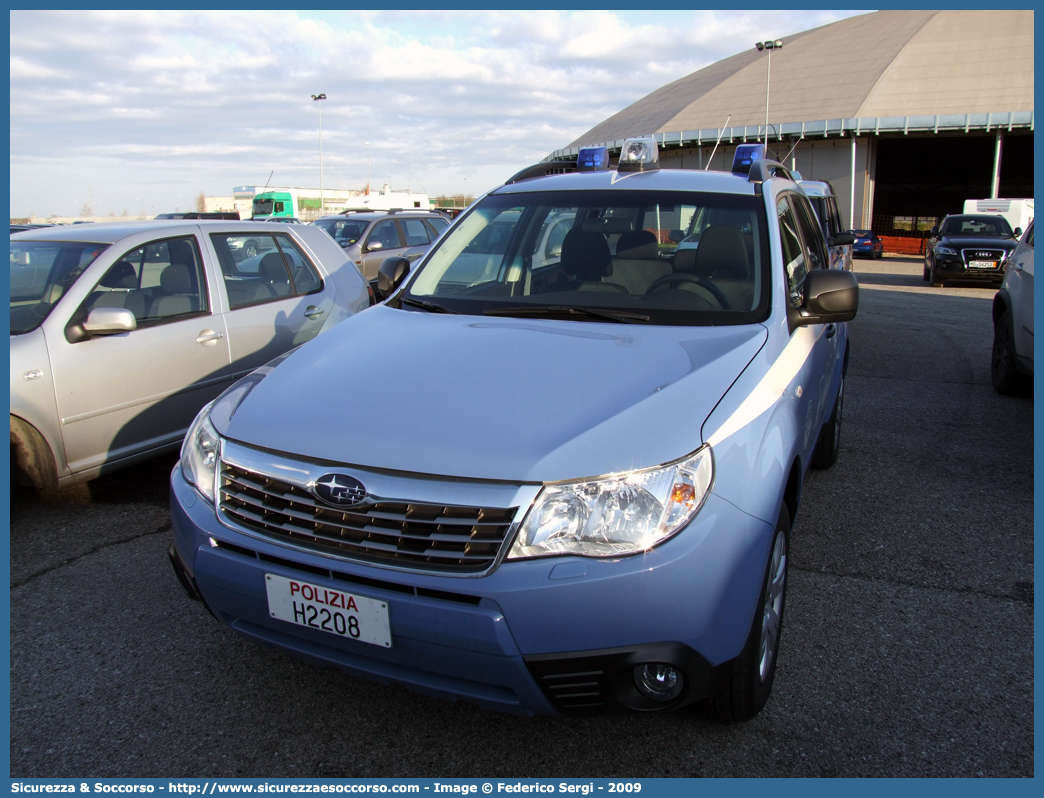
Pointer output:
x,y
490,398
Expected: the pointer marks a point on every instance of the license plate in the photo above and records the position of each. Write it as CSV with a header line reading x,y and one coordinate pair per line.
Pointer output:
x,y
982,264
328,610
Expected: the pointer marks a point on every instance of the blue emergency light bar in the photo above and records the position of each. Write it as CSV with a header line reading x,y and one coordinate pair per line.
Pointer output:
x,y
746,154
593,159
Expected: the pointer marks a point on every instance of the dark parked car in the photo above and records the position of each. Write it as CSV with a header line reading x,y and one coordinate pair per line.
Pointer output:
x,y
867,244
969,247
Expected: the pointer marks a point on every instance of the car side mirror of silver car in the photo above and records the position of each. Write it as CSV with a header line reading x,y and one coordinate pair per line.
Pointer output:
x,y
375,246
841,239
110,321
391,274
830,296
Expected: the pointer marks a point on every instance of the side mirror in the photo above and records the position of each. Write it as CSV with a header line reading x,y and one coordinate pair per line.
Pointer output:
x,y
934,231
391,274
374,246
841,239
109,321
676,235
1018,232
830,296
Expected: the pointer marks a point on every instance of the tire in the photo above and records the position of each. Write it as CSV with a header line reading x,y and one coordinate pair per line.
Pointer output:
x,y
925,273
829,443
1004,373
250,249
934,280
755,669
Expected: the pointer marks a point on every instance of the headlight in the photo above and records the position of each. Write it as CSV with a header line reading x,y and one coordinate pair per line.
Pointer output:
x,y
199,454
945,251
615,515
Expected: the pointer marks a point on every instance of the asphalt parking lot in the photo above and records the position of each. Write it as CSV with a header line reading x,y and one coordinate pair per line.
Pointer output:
x,y
907,646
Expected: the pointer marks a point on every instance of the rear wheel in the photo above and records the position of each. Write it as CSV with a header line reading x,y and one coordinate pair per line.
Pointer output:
x,y
755,669
1005,375
829,444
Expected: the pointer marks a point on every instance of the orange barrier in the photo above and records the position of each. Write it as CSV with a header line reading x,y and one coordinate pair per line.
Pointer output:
x,y
903,245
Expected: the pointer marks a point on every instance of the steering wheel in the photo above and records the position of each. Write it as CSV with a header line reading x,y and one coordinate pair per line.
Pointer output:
x,y
684,277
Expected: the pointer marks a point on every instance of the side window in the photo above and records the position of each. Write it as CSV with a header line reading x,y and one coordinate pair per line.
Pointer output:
x,y
794,260
386,233
277,269
303,275
437,224
811,234
416,232
158,282
835,217
1029,239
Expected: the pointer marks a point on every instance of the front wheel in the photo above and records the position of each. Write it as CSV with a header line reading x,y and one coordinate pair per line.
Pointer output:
x,y
1004,374
755,668
829,444
933,277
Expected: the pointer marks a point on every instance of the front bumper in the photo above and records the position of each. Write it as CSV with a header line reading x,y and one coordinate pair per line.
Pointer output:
x,y
956,269
517,639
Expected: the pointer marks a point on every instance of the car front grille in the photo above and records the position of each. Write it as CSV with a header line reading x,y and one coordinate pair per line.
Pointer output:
x,y
421,536
983,254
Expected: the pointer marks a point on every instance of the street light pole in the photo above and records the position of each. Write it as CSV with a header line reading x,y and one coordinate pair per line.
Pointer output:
x,y
770,46
322,196
367,167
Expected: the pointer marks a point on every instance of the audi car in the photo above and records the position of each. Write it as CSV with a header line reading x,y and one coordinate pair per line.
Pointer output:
x,y
969,247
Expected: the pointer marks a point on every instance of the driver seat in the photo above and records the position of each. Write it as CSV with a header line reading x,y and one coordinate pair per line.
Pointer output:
x,y
586,257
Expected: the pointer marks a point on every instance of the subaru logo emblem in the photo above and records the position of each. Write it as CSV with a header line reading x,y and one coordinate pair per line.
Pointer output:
x,y
339,490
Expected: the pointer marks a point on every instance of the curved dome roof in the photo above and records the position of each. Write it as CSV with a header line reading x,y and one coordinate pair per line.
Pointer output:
x,y
888,63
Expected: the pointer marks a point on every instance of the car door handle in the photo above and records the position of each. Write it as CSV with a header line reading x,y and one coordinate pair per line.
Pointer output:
x,y
313,312
831,330
208,337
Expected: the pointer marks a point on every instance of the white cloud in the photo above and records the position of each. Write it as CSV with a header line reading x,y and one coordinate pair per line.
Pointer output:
x,y
164,104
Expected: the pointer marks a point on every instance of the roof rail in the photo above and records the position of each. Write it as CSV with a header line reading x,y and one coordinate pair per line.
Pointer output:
x,y
762,170
542,170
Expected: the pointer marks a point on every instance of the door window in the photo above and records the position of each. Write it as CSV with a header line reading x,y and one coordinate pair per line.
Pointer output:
x,y
386,233
438,225
158,282
811,234
794,260
416,232
280,268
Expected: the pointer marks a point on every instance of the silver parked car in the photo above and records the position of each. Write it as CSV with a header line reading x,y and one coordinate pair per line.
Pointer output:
x,y
1011,366
120,333
368,237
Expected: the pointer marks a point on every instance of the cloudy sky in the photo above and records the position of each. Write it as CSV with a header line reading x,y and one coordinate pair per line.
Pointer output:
x,y
140,111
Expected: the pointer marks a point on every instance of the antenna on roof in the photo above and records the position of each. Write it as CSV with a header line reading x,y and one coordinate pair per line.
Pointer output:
x,y
268,181
720,134
783,160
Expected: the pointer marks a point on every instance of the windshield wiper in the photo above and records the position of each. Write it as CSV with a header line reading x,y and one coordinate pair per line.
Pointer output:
x,y
567,311
431,307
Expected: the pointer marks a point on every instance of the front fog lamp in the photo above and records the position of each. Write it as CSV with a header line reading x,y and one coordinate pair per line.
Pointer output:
x,y
199,454
615,515
658,681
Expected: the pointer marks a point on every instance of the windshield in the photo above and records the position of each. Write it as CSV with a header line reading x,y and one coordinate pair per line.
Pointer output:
x,y
996,226
262,207
344,231
41,273
566,253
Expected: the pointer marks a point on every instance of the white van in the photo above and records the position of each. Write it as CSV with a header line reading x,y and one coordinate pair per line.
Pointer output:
x,y
1018,212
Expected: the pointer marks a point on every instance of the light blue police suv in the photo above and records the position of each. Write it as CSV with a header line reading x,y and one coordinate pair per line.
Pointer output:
x,y
555,471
